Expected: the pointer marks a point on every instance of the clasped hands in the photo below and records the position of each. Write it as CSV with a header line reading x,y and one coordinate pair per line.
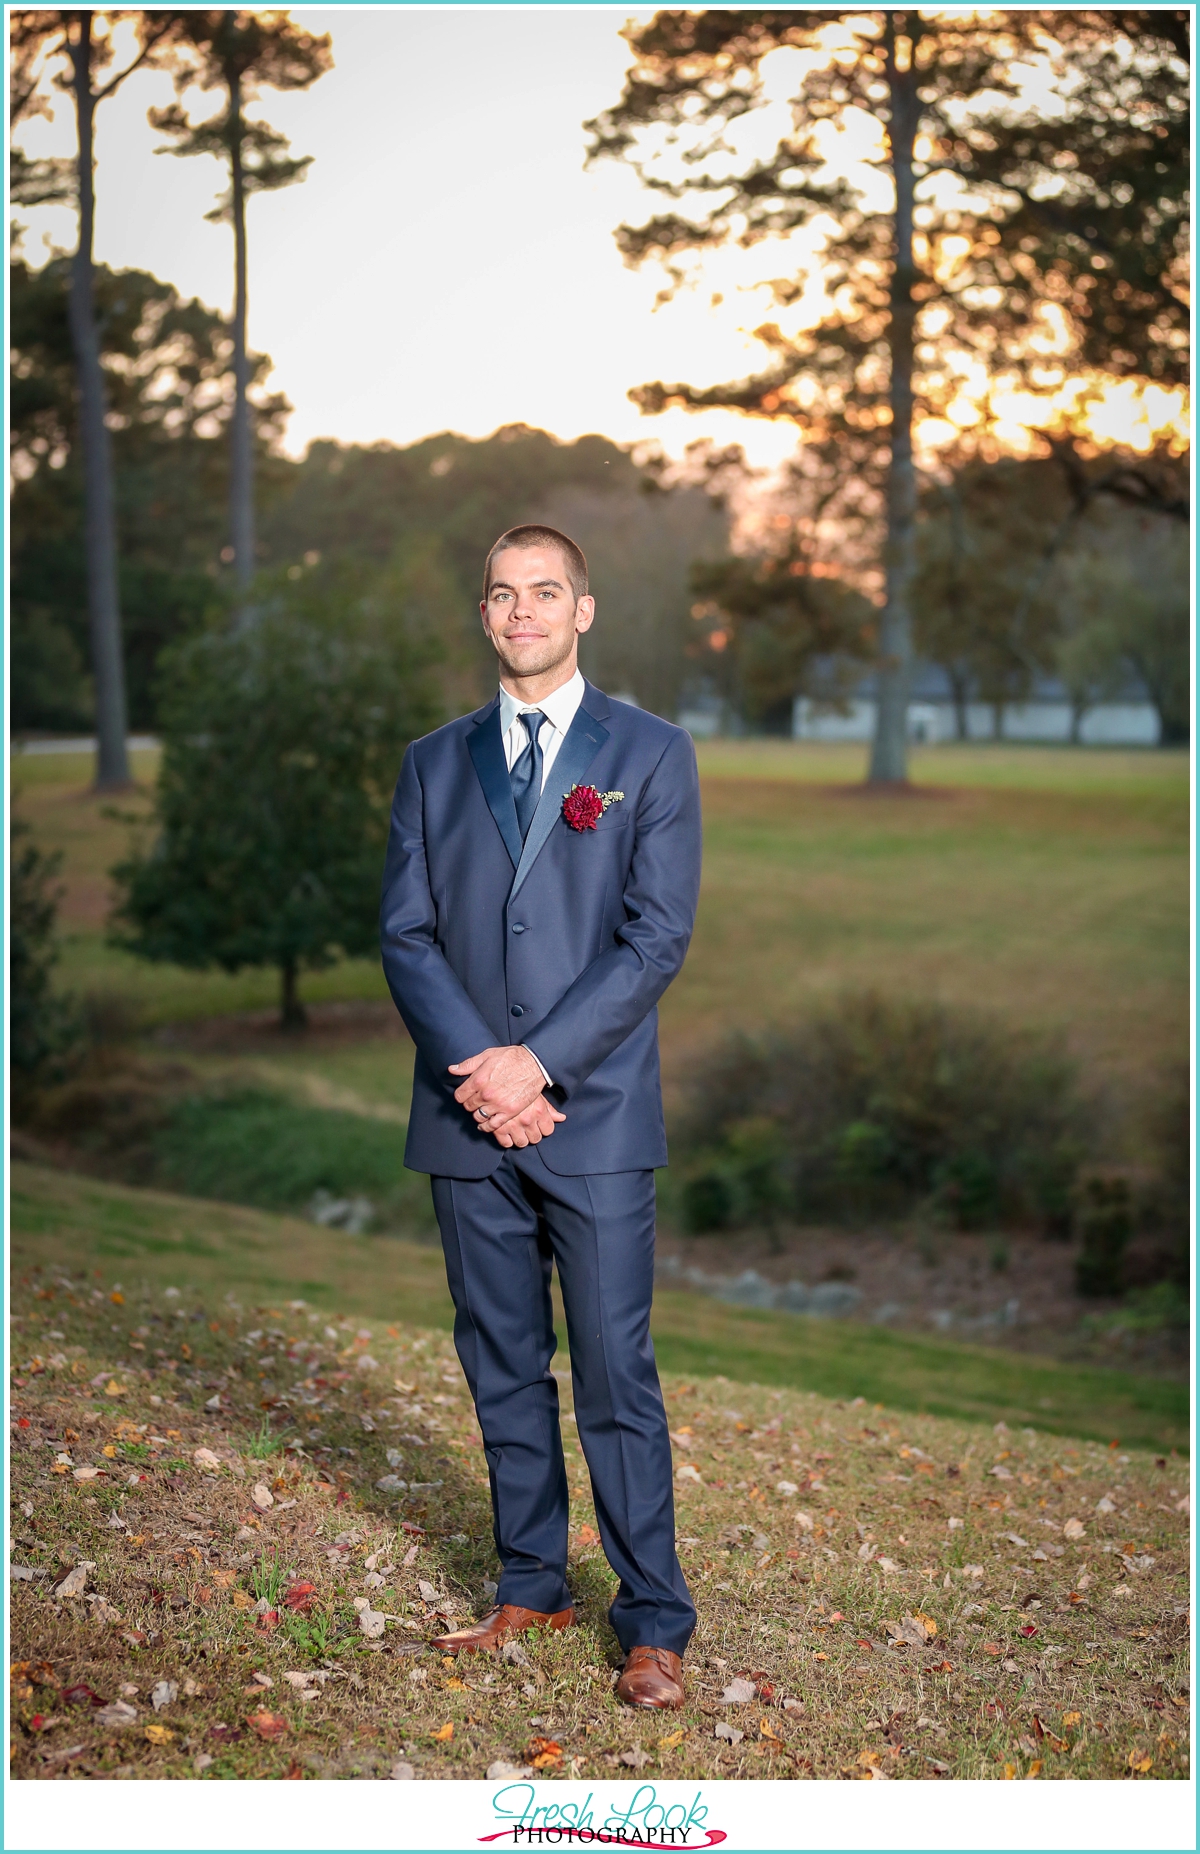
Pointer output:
x,y
504,1093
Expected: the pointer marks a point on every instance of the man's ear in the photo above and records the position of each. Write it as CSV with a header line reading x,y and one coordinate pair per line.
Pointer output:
x,y
585,611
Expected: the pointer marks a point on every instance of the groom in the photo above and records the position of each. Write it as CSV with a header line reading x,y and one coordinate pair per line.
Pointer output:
x,y
538,899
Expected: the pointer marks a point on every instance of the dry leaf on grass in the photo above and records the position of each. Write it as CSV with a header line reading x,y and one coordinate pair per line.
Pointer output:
x,y
732,1733
504,1767
636,1759
75,1581
262,1496
116,1715
159,1734
268,1725
544,1753
673,1740
1073,1529
372,1622
739,1692
163,1693
444,1733
206,1460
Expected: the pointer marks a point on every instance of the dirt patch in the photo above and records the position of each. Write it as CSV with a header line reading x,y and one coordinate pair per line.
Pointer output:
x,y
258,1033
927,1282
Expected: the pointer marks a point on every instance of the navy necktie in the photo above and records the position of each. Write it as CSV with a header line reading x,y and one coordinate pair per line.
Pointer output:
x,y
526,774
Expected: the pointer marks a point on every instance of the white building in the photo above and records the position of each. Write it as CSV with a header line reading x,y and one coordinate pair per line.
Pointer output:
x,y
1130,721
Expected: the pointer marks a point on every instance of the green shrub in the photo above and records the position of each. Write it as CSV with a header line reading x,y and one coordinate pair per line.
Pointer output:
x,y
44,1027
1105,1225
253,1147
875,1107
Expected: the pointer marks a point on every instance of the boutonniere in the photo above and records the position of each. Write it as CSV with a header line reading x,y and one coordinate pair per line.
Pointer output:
x,y
584,806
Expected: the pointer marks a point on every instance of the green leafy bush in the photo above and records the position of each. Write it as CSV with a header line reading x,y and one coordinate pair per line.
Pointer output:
x,y
253,1147
44,1026
1105,1225
874,1107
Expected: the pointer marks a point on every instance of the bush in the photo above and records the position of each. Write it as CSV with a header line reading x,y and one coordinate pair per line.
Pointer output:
x,y
253,1147
44,1027
1105,1225
874,1107
281,746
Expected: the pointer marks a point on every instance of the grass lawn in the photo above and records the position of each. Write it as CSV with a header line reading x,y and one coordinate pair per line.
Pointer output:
x,y
1048,885
215,1578
169,1241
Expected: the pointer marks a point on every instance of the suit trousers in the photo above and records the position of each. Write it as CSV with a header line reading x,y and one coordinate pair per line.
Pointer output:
x,y
501,1236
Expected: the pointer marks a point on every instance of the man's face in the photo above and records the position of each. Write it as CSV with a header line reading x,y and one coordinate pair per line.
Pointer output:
x,y
531,614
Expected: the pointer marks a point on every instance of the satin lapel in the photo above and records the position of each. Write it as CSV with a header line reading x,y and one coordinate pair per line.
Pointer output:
x,y
585,737
486,747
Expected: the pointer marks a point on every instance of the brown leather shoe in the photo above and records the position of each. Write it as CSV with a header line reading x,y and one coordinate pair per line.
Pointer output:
x,y
652,1677
494,1629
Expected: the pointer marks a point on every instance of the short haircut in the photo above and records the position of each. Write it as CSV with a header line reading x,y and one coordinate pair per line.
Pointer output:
x,y
535,535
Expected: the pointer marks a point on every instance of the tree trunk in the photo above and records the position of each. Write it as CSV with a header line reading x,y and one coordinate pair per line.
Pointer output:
x,y
889,752
292,1014
241,475
100,522
961,693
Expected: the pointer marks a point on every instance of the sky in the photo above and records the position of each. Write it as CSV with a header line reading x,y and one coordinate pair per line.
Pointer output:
x,y
448,264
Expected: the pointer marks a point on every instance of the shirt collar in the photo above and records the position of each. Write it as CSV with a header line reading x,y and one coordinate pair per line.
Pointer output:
x,y
559,709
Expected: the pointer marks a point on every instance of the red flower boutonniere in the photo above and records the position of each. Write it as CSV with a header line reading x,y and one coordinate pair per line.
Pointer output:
x,y
584,806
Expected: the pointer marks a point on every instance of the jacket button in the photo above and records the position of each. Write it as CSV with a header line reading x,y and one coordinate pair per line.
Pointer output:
x,y
518,1010
518,927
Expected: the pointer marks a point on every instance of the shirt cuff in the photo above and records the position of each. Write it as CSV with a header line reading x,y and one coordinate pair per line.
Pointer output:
x,y
534,1054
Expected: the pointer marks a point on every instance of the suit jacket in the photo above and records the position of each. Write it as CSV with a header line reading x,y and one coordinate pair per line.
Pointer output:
x,y
567,941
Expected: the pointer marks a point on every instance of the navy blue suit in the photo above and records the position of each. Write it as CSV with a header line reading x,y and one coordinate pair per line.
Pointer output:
x,y
565,942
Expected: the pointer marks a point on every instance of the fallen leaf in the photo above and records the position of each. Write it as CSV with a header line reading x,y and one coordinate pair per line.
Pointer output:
x,y
269,1725
300,1598
1071,1719
729,1732
1028,1630
86,1474
113,1389
543,1753
242,1600
767,1730
805,1521
267,1622
205,1459
262,1496
689,1472
502,1767
635,1759
163,1693
158,1734
819,1656
1035,1769
991,1648
1073,1529
1139,1761
372,1622
588,1535
739,1692
75,1581
80,1695
673,1740
444,1733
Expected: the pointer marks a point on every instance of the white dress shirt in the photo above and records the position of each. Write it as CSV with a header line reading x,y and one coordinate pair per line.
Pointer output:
x,y
559,710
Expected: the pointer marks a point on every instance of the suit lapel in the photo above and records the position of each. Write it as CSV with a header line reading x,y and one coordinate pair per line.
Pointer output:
x,y
585,737
486,747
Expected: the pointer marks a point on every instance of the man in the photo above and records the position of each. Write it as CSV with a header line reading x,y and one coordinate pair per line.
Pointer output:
x,y
538,899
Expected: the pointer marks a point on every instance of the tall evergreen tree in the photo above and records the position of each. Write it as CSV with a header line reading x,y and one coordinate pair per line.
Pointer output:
x,y
238,52
79,42
1069,197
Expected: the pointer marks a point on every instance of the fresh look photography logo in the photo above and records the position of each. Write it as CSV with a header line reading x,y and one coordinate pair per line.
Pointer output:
x,y
643,1822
